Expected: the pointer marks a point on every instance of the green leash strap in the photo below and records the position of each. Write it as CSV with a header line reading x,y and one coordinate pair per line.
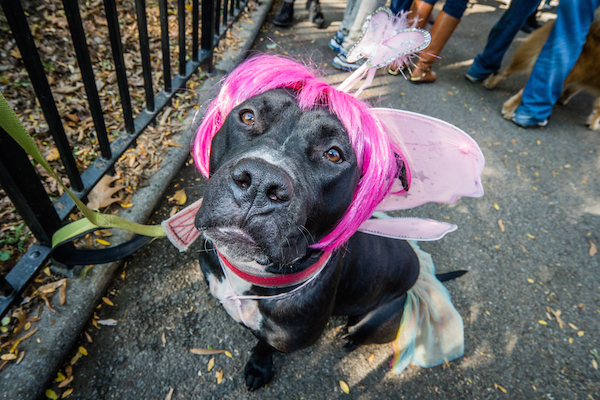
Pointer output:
x,y
93,219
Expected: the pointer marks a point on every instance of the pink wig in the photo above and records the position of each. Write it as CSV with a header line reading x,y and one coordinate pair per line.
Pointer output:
x,y
374,152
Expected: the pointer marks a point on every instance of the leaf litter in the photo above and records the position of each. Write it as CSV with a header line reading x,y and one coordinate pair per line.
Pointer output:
x,y
50,30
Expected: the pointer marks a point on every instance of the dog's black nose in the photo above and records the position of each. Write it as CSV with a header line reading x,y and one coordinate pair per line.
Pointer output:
x,y
259,184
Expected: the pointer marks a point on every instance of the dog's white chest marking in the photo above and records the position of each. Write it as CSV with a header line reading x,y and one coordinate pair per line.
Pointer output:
x,y
228,292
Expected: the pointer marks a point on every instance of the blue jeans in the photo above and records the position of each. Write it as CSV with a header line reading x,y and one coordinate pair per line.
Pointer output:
x,y
400,5
454,8
500,38
556,60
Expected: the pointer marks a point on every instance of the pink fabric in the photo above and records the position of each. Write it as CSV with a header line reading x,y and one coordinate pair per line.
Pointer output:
x,y
407,228
374,151
446,162
388,39
180,228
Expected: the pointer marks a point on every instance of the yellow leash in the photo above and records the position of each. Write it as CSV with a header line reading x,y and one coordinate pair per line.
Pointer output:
x,y
93,219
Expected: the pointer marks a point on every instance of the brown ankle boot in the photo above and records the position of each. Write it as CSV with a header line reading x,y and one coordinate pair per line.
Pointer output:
x,y
440,33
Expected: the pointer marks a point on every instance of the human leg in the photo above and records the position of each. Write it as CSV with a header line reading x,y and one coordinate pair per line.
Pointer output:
x,y
400,5
364,9
285,16
555,61
315,15
500,38
349,16
350,11
420,11
442,29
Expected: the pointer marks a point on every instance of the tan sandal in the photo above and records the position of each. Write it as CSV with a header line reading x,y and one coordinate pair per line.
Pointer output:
x,y
423,73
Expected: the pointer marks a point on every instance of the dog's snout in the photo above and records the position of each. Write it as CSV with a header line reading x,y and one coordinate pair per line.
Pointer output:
x,y
260,184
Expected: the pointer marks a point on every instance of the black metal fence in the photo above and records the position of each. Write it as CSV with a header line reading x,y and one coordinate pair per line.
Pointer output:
x,y
209,22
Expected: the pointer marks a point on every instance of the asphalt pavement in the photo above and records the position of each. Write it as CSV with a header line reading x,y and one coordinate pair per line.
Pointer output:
x,y
527,245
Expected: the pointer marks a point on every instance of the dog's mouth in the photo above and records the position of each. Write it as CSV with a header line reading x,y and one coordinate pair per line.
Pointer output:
x,y
237,244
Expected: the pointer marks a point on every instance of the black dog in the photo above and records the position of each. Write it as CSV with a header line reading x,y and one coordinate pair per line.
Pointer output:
x,y
280,180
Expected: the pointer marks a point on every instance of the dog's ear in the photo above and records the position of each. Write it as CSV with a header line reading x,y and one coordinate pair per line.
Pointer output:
x,y
402,172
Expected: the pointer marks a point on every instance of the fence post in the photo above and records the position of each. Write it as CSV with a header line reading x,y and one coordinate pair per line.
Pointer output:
x,y
208,30
31,59
21,183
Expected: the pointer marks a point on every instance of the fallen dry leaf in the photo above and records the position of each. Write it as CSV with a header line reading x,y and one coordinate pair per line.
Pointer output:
x,y
593,250
170,394
60,377
106,300
51,287
28,335
594,364
101,194
66,382
43,297
179,197
88,337
51,394
67,393
344,387
83,350
219,376
75,358
557,314
207,352
211,364
52,154
501,225
371,358
8,357
63,293
500,388
164,339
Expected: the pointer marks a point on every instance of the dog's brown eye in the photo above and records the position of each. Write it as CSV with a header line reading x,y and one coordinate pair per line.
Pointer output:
x,y
333,155
248,117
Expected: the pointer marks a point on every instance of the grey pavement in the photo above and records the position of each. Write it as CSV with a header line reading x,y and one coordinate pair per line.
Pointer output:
x,y
543,184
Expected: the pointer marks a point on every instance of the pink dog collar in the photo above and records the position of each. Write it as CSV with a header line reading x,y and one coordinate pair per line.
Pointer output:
x,y
278,280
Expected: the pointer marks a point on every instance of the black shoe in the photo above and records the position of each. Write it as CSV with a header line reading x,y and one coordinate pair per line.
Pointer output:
x,y
285,16
315,15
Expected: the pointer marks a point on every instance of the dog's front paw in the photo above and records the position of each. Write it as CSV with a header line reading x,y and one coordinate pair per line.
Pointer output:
x,y
258,372
350,345
346,338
